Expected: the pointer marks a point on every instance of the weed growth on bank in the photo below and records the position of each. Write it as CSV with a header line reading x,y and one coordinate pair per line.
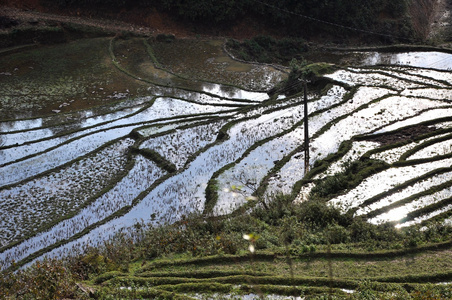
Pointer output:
x,y
281,226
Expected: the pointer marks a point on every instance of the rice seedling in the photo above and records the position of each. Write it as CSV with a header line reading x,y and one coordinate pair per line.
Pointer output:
x,y
143,174
357,77
72,176
180,145
57,194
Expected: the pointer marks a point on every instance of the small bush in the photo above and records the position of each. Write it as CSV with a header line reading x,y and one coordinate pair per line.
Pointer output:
x,y
316,214
49,279
266,49
352,175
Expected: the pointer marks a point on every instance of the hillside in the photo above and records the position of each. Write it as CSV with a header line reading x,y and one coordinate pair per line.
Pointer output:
x,y
138,164
320,21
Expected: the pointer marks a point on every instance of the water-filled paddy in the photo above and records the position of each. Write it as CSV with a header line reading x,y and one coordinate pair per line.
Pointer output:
x,y
62,78
42,200
432,60
206,60
420,59
78,119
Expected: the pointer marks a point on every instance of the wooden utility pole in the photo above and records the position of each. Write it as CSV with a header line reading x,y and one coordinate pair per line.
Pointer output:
x,y
306,131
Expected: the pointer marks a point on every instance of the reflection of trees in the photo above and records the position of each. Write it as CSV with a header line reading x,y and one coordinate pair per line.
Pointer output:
x,y
247,178
221,90
6,126
228,91
377,58
248,183
62,123
387,59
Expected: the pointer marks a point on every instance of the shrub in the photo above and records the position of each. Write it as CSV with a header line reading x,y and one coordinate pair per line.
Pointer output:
x,y
48,279
266,49
280,206
316,215
352,175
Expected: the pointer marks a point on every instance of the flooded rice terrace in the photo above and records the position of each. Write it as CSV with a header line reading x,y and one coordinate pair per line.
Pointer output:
x,y
100,134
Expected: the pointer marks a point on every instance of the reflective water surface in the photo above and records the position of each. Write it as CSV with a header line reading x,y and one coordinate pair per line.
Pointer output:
x,y
199,110
430,59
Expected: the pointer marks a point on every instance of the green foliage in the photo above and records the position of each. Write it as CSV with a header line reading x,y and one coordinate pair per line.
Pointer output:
x,y
193,235
49,279
377,15
431,291
266,49
300,72
331,185
368,290
207,11
352,175
318,215
303,229
314,71
283,227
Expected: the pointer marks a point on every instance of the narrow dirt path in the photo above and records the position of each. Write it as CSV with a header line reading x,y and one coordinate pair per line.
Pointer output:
x,y
36,17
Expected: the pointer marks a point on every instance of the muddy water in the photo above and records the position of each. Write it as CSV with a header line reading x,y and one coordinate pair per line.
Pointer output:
x,y
63,78
206,60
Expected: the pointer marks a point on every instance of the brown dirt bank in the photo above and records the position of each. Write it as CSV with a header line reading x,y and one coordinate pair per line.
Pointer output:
x,y
147,21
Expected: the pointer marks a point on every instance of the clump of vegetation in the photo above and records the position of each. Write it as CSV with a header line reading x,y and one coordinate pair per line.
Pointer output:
x,y
350,177
266,49
310,72
49,279
157,158
339,18
300,72
278,228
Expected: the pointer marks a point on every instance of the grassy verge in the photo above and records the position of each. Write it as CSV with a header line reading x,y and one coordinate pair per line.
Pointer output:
x,y
309,249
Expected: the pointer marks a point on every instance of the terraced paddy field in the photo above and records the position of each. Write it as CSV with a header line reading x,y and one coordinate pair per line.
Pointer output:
x,y
103,137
